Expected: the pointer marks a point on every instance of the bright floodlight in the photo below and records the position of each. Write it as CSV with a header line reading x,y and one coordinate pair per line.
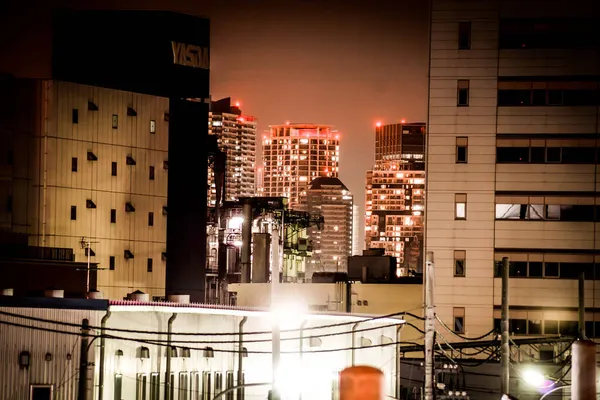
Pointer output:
x,y
533,378
235,222
288,315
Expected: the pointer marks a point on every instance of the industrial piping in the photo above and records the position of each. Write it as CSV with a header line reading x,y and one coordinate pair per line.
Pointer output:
x,y
240,374
354,340
102,355
169,351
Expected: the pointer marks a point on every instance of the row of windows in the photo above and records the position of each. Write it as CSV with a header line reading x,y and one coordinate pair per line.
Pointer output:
x,y
546,155
534,154
533,212
533,269
113,167
113,212
549,269
567,96
537,34
115,117
548,212
127,254
546,327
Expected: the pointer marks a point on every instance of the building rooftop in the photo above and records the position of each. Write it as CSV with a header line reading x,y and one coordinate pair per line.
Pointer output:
x,y
321,181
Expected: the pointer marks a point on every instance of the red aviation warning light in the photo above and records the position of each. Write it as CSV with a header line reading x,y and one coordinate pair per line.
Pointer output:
x,y
378,124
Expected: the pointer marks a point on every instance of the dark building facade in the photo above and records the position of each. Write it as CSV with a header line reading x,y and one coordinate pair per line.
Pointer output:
x,y
131,82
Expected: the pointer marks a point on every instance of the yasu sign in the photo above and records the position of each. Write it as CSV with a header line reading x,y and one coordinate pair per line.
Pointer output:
x,y
190,55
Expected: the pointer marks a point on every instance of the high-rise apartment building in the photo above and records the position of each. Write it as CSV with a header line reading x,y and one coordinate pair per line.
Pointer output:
x,y
394,206
236,135
296,154
512,162
332,242
357,246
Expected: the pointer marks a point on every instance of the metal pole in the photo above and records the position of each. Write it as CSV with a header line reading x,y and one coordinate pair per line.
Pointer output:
x,y
240,374
429,327
83,360
246,241
398,364
505,345
583,373
582,305
168,383
102,355
89,253
353,341
301,350
276,334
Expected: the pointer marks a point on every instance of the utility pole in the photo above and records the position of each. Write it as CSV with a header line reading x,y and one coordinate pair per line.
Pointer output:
x,y
82,393
505,345
581,310
429,327
276,334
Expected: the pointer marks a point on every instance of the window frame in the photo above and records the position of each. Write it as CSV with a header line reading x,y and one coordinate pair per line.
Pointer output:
x,y
460,256
457,201
464,28
458,314
462,142
463,86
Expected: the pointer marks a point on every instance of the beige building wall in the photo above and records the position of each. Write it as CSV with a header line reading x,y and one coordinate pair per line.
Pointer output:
x,y
56,185
481,183
374,299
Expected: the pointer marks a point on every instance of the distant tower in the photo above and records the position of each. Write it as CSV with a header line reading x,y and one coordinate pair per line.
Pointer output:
x,y
395,193
294,155
356,220
332,245
237,135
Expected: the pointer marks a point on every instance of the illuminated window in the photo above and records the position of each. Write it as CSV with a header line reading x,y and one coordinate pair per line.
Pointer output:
x,y
152,126
460,206
460,262
115,121
462,95
462,144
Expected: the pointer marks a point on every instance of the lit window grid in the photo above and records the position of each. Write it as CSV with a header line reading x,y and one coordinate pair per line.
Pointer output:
x,y
238,139
292,158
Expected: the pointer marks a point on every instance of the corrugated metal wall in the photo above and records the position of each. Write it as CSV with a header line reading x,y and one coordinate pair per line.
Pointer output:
x,y
61,371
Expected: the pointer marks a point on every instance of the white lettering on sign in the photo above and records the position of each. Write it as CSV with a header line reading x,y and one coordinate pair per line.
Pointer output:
x,y
190,55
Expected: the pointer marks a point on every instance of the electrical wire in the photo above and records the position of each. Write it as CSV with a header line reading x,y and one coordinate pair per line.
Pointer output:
x,y
151,342
180,341
37,319
461,336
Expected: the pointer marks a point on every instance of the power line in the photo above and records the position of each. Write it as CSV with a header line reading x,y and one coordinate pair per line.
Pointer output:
x,y
461,336
206,334
152,342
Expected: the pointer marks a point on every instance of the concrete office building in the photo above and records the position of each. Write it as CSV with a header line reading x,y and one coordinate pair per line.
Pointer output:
x,y
236,135
94,139
332,243
49,368
395,186
512,167
294,155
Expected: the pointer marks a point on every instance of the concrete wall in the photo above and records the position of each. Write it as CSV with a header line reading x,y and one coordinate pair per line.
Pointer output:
x,y
481,178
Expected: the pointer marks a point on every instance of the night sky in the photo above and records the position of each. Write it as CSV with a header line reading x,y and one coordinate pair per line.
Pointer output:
x,y
345,63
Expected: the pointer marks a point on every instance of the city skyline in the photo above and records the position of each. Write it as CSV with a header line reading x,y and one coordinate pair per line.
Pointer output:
x,y
359,57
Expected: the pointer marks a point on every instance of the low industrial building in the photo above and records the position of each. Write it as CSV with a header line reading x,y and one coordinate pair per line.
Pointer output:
x,y
200,348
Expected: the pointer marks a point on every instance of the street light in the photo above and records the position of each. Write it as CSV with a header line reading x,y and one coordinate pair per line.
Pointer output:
x,y
533,378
